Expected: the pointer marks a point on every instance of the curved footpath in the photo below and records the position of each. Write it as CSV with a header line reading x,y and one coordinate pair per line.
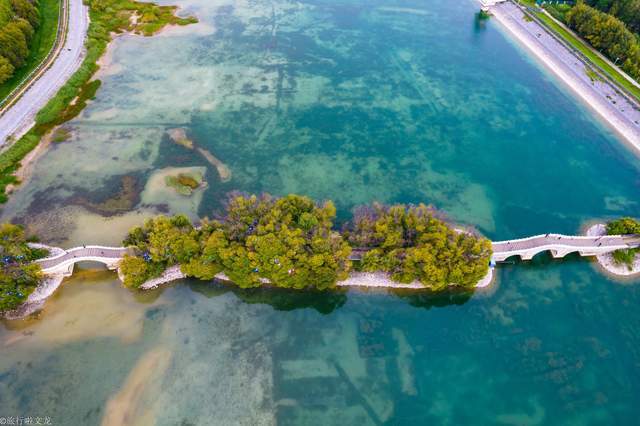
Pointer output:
x,y
61,263
617,110
20,117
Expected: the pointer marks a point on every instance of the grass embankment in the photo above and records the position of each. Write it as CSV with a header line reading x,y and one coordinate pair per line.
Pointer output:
x,y
584,48
107,17
43,39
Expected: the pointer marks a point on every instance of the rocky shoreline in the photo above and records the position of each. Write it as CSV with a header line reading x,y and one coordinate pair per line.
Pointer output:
x,y
356,279
36,300
363,280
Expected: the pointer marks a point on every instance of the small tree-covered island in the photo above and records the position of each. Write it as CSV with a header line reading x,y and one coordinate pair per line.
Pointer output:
x,y
292,242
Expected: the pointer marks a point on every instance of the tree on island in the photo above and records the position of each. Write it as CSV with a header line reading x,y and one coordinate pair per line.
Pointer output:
x,y
162,242
413,243
18,276
288,241
623,226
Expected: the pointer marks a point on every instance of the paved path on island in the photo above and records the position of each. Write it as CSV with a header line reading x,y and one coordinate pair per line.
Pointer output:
x,y
20,116
526,248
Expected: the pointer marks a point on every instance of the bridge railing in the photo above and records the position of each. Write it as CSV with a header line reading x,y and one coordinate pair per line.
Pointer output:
x,y
566,237
52,261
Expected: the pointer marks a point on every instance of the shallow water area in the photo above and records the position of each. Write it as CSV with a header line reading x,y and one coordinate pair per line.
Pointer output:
x,y
354,101
199,351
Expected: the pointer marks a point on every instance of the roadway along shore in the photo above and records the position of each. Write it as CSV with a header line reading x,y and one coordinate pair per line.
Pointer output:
x,y
619,112
18,119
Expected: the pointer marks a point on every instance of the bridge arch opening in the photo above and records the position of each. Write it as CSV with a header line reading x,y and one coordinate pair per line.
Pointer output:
x,y
91,265
514,258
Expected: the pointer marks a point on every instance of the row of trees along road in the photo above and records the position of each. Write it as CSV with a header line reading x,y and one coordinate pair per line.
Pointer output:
x,y
608,34
628,11
18,21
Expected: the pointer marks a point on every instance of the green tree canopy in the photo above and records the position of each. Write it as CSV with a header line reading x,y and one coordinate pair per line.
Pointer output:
x,y
628,11
24,9
622,226
290,242
412,243
608,34
166,240
6,69
13,44
18,276
19,18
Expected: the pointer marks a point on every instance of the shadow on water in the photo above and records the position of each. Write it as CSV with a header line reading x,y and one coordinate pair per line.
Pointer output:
x,y
428,300
543,260
325,302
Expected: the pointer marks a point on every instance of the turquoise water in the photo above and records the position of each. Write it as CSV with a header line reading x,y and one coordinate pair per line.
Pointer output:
x,y
353,101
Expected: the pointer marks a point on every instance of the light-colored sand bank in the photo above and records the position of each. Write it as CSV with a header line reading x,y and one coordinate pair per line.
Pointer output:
x,y
179,136
127,406
383,280
606,261
616,110
223,170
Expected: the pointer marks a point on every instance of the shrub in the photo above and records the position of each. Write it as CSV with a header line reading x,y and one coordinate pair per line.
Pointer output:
x,y
623,226
18,276
137,271
625,257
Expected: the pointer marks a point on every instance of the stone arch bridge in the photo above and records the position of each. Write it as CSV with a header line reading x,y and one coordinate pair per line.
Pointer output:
x,y
561,245
63,261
